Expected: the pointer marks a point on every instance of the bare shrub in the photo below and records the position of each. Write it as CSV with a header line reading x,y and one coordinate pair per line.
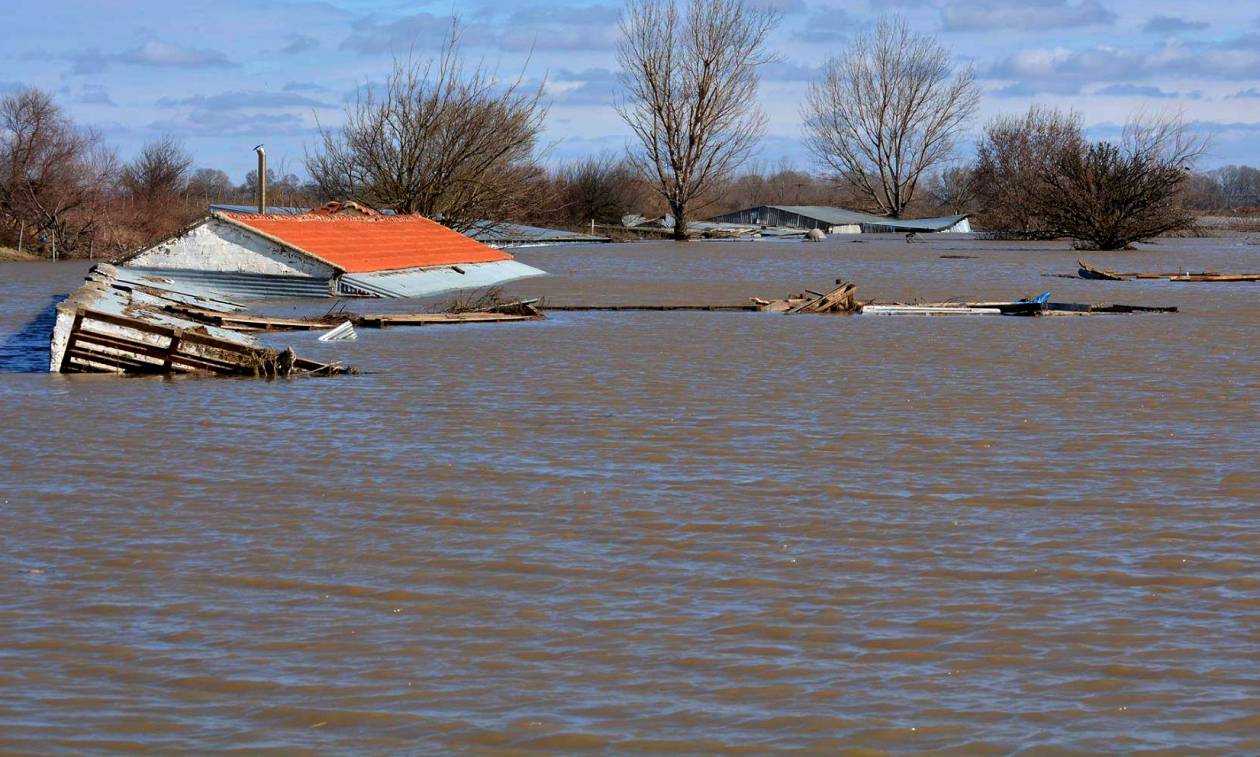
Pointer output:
x,y
153,190
953,190
599,188
691,78
886,111
208,186
1109,195
440,139
1014,157
159,172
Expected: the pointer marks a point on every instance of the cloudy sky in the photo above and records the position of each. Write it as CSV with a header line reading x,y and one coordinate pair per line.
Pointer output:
x,y
227,75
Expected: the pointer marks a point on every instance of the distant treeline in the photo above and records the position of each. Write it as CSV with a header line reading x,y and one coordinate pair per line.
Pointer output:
x,y
62,186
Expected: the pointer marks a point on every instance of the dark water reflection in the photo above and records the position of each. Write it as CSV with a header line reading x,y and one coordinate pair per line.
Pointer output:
x,y
649,531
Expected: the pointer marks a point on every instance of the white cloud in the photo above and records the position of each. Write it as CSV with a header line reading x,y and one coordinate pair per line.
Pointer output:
x,y
151,54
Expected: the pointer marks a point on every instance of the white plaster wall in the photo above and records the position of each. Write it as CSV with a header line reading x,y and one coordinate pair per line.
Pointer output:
x,y
60,336
962,227
219,246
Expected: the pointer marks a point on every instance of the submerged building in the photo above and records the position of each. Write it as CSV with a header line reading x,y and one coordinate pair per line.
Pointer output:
x,y
338,250
840,220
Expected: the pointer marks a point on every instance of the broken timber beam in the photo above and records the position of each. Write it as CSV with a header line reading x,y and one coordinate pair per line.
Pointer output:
x,y
1087,271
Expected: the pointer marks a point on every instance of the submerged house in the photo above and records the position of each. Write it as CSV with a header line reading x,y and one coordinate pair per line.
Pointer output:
x,y
338,250
840,220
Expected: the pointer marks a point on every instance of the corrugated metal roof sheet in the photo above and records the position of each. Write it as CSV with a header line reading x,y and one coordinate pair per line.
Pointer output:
x,y
426,281
235,284
507,234
834,216
363,244
924,224
272,210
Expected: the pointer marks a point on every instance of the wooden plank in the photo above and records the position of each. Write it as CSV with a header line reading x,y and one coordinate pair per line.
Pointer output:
x,y
172,348
650,308
118,343
123,363
429,319
171,359
1087,271
131,323
1218,277
831,301
210,341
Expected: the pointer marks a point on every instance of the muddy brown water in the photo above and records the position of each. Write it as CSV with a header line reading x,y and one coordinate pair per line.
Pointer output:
x,y
697,532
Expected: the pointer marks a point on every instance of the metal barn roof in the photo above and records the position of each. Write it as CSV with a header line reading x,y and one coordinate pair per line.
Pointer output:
x,y
365,243
843,217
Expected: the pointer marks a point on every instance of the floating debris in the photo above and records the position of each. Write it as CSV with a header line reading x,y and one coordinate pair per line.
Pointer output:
x,y
1032,306
1087,271
842,300
343,333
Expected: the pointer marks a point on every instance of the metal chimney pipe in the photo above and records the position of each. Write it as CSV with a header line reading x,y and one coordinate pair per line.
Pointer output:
x,y
262,179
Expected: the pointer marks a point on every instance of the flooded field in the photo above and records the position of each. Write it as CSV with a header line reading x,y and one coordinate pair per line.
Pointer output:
x,y
697,532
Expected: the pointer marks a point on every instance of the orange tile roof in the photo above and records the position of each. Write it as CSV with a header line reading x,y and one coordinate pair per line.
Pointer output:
x,y
366,243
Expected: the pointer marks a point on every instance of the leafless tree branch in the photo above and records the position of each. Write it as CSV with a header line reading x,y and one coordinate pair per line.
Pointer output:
x,y
691,76
887,110
451,143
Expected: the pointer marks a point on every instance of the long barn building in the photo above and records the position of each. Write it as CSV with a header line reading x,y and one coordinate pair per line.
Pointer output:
x,y
840,221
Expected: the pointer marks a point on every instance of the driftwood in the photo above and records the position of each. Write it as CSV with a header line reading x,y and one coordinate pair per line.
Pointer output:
x,y
1087,271
838,300
524,311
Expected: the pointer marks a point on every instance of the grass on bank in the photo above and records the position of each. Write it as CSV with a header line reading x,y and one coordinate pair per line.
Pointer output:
x,y
8,254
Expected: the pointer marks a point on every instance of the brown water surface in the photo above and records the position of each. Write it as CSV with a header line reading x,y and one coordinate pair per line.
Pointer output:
x,y
694,532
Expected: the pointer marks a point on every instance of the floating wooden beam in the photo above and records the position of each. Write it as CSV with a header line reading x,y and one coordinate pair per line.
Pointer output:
x,y
1087,271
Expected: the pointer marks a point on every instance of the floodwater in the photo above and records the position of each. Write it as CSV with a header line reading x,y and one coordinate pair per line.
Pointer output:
x,y
698,532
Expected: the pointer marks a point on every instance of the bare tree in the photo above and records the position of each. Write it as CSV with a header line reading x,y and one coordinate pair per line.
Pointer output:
x,y
691,77
53,174
599,188
1240,186
887,110
1109,195
1014,157
210,185
159,172
439,139
954,189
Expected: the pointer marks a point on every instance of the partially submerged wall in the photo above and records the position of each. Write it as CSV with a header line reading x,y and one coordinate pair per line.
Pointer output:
x,y
218,246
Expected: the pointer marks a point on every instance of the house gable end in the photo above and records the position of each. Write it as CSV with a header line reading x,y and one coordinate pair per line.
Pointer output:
x,y
219,246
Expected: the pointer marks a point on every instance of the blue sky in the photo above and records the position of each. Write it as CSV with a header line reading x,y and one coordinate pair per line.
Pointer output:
x,y
227,75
